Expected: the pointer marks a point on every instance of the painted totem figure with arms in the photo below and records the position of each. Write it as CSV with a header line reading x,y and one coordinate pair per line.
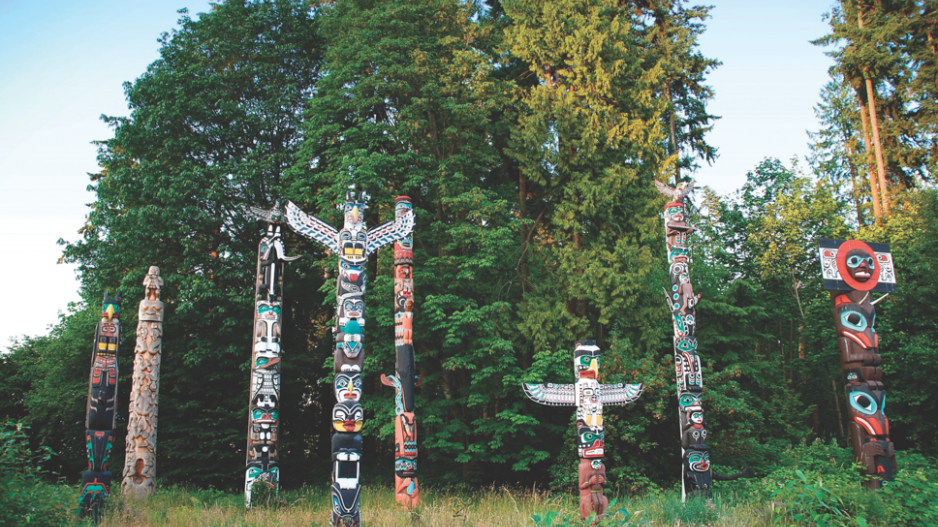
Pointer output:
x,y
589,397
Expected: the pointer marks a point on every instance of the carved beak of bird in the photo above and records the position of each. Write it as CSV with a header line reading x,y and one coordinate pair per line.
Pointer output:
x,y
110,311
594,367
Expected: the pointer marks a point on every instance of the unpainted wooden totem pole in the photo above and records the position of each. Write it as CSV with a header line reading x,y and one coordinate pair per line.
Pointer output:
x,y
353,244
589,397
852,272
101,409
140,461
405,379
264,400
682,302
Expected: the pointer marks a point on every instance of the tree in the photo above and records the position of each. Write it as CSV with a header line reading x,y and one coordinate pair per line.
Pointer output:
x,y
214,123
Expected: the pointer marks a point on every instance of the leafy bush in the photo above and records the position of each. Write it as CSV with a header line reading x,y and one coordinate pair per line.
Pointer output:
x,y
912,499
24,498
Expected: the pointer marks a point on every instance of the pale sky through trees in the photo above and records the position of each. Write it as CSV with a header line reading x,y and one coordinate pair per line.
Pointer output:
x,y
62,65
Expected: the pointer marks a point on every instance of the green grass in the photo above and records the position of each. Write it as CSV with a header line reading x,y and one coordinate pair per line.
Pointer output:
x,y
494,507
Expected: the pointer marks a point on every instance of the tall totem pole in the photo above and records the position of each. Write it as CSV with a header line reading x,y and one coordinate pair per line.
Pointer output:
x,y
353,244
140,461
852,272
695,469
264,404
405,379
101,410
589,397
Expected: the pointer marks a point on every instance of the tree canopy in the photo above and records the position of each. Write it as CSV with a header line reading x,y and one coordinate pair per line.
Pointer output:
x,y
528,135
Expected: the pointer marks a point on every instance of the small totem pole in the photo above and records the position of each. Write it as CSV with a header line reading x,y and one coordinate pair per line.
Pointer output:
x,y
264,404
405,379
140,461
101,410
589,397
354,243
852,271
695,469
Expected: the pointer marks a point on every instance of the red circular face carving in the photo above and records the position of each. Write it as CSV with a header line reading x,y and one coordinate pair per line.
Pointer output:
x,y
862,276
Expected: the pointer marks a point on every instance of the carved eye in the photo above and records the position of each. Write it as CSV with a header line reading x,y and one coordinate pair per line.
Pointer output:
x,y
853,320
862,403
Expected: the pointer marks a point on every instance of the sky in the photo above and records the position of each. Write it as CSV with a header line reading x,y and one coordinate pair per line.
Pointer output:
x,y
63,64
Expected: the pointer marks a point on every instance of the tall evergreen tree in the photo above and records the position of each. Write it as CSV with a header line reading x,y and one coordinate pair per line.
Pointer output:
x,y
214,123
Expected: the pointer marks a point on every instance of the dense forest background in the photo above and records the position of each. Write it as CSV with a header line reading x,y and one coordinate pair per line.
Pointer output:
x,y
528,135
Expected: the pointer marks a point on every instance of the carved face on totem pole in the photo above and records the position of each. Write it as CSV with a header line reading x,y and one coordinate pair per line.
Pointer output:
x,y
586,359
348,387
589,441
348,417
349,357
867,409
111,306
352,279
353,238
697,461
351,307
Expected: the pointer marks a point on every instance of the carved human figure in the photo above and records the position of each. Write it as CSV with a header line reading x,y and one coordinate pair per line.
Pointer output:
x,y
592,482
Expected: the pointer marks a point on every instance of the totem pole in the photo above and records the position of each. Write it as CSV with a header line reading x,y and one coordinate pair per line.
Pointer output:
x,y
353,244
101,410
589,397
695,469
140,460
264,401
405,379
852,272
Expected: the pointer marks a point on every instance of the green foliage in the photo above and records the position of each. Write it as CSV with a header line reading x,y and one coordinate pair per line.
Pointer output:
x,y
528,135
912,499
613,517
25,499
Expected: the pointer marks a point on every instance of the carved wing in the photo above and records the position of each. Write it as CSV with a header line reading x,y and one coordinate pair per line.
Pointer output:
x,y
666,190
619,394
677,194
312,227
390,232
551,394
258,214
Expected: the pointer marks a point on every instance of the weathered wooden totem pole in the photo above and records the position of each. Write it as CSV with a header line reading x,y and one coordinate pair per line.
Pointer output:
x,y
140,461
405,379
852,272
353,244
101,410
264,403
589,397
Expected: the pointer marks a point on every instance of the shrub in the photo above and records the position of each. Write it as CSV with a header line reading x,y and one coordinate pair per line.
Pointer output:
x,y
25,499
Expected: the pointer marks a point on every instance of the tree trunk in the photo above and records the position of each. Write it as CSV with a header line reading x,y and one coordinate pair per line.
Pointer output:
x,y
864,117
677,165
877,145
